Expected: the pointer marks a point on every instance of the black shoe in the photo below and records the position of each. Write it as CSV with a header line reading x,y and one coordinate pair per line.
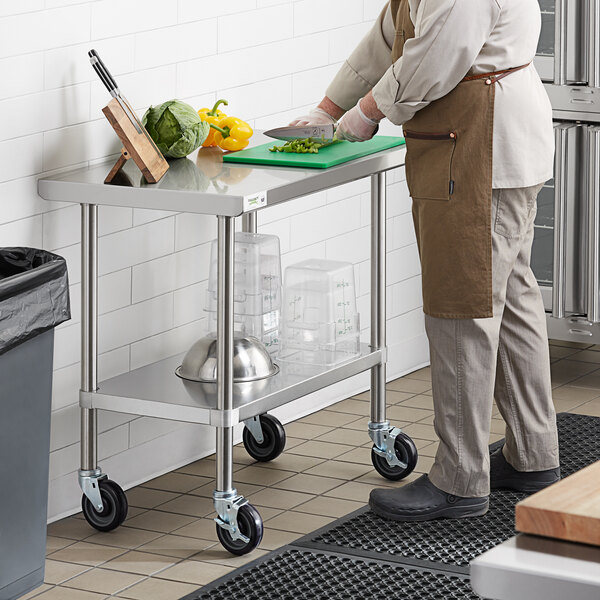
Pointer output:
x,y
503,476
422,501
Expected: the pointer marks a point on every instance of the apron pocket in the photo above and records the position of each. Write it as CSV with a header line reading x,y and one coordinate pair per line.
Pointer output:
x,y
429,164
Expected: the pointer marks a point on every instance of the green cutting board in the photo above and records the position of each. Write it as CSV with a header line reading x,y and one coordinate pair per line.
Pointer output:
x,y
336,154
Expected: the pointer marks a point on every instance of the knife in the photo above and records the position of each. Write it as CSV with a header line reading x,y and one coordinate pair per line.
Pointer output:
x,y
111,85
324,134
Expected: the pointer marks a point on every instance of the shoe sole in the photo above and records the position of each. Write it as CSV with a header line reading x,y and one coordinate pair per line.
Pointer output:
x,y
508,484
456,512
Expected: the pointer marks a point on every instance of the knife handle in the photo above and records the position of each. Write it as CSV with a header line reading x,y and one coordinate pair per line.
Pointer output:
x,y
104,74
102,77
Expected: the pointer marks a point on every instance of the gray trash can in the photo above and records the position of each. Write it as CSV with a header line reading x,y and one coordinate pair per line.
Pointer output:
x,y
34,298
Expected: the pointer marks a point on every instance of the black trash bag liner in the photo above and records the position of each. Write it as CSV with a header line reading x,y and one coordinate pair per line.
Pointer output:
x,y
34,294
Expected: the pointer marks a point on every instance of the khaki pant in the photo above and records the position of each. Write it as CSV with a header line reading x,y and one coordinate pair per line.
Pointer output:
x,y
506,357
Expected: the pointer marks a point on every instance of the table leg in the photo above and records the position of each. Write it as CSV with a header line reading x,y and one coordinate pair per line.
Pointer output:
x,y
394,454
89,472
378,291
239,526
249,222
225,278
104,502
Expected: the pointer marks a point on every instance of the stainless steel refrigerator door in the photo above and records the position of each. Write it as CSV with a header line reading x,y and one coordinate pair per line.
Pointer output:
x,y
563,51
594,45
559,250
593,217
542,254
544,61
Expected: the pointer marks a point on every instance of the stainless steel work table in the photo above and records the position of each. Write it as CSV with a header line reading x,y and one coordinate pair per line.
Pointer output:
x,y
527,567
155,390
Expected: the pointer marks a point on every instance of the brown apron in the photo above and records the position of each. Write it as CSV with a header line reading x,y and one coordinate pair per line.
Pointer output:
x,y
405,30
449,147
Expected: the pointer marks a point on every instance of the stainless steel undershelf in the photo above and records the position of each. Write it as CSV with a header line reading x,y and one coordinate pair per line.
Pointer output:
x,y
155,391
534,568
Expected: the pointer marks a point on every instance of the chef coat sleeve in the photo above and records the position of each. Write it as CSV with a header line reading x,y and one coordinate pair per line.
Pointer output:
x,y
449,35
366,65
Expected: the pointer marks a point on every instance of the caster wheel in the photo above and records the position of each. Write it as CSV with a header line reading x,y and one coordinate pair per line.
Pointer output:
x,y
250,524
273,443
406,451
115,507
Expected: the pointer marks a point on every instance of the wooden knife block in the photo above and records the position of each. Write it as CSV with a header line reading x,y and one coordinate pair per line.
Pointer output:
x,y
136,145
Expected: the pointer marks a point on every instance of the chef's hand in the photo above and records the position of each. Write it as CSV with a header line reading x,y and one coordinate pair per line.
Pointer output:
x,y
356,126
326,113
317,116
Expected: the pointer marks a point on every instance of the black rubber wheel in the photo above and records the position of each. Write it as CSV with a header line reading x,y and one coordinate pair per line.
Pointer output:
x,y
273,443
115,508
406,451
250,524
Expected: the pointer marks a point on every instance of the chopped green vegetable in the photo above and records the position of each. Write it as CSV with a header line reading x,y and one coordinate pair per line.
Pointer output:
x,y
176,128
306,146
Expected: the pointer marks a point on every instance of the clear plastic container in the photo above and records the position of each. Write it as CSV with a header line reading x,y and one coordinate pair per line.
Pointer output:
x,y
257,288
264,327
320,323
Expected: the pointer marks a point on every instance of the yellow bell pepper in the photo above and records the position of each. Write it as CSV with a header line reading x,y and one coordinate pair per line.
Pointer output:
x,y
236,175
212,116
210,163
232,134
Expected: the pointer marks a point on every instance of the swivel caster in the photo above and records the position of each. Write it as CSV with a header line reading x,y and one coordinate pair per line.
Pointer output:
x,y
114,507
398,460
245,534
264,438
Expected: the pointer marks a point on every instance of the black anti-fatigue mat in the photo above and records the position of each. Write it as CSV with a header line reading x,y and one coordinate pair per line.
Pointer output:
x,y
445,544
298,574
450,544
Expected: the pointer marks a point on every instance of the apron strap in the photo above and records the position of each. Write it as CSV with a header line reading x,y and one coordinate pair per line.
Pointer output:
x,y
496,75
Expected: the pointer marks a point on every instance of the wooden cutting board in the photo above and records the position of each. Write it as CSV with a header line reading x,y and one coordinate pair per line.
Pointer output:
x,y
568,510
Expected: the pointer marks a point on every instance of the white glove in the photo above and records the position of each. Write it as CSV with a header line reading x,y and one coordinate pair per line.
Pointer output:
x,y
355,126
317,116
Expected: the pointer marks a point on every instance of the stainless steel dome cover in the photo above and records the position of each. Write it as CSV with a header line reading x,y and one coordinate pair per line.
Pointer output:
x,y
251,360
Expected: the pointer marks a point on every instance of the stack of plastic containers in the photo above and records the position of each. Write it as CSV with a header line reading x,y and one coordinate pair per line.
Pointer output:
x,y
320,323
257,288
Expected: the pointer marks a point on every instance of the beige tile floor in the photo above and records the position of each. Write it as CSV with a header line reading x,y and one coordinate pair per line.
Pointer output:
x,y
167,548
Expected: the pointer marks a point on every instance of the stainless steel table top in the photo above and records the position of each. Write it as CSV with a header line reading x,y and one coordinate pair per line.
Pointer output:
x,y
203,184
527,567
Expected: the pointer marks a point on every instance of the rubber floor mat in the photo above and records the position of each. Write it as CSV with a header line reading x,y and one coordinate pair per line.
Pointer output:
x,y
296,574
450,544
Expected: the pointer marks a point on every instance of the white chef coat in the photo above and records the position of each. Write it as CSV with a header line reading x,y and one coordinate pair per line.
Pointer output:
x,y
454,38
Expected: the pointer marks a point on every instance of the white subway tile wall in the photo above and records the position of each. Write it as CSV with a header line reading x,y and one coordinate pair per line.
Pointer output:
x,y
272,60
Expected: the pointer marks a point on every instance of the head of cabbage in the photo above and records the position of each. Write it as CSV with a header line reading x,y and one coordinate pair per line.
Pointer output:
x,y
176,128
